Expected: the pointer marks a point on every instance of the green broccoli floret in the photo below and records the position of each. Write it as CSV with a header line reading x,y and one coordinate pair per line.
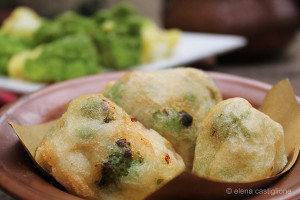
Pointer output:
x,y
170,120
70,57
68,23
93,109
116,167
10,45
119,37
119,162
97,109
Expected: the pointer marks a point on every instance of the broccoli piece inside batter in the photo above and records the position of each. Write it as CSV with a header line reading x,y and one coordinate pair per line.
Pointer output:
x,y
116,167
119,163
97,109
172,120
85,133
230,125
190,97
91,109
114,93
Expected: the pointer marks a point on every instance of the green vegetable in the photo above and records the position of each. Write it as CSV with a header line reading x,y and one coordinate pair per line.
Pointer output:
x,y
91,109
68,23
119,163
230,125
70,57
171,120
10,45
190,97
85,133
97,109
167,120
114,93
117,34
116,167
119,37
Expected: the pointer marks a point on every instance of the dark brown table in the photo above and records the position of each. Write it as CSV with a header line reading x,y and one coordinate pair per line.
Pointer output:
x,y
287,66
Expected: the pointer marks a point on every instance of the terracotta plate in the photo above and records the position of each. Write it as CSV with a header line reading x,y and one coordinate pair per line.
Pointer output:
x,y
19,176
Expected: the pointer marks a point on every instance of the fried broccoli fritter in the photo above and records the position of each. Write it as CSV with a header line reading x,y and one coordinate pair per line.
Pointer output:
x,y
97,151
239,144
173,102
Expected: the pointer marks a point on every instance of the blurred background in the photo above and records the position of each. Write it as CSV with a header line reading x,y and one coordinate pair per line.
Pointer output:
x,y
50,8
268,25
271,28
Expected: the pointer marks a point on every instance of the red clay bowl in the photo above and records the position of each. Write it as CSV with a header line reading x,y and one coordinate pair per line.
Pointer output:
x,y
20,178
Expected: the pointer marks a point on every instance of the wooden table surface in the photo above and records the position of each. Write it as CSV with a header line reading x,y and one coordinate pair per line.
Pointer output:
x,y
288,66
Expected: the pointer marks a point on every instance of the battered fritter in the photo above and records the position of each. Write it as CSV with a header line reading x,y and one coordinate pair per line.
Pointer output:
x,y
239,143
173,102
97,151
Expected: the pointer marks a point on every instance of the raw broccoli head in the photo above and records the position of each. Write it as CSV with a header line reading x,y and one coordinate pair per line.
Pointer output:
x,y
68,23
70,57
119,12
118,37
10,45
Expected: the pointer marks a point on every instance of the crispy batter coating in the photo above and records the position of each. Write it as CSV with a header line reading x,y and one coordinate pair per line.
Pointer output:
x,y
239,144
173,102
97,151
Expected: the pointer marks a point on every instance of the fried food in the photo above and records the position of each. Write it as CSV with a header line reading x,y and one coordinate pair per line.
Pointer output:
x,y
173,102
239,144
97,151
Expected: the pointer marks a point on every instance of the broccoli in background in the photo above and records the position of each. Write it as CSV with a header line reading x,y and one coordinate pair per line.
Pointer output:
x,y
118,37
70,57
115,39
10,45
68,23
115,32
124,39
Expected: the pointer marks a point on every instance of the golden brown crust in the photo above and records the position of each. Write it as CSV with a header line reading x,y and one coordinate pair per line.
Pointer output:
x,y
173,102
239,143
97,152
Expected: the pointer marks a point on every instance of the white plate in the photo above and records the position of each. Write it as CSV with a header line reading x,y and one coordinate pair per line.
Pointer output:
x,y
18,86
196,46
192,47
